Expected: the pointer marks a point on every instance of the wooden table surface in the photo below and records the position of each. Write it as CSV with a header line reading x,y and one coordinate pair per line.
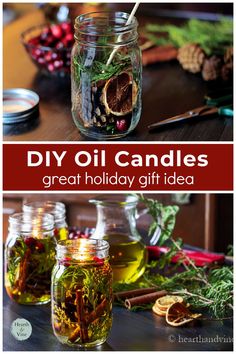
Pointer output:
x,y
131,331
167,91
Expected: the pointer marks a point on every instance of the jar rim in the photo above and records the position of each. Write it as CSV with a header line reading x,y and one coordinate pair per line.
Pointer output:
x,y
27,222
84,245
82,249
117,200
57,209
112,16
44,204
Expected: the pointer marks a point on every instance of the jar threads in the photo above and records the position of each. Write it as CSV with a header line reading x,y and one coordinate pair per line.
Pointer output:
x,y
57,209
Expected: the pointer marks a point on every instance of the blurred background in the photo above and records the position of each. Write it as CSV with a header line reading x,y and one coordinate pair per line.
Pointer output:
x,y
204,220
209,11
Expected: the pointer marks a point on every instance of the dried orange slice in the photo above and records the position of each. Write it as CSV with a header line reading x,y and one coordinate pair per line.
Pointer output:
x,y
178,315
164,302
119,95
158,312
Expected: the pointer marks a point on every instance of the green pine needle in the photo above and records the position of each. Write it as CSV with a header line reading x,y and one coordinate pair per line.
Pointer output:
x,y
211,36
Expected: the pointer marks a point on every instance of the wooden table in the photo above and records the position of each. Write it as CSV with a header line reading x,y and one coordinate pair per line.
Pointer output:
x,y
167,91
134,331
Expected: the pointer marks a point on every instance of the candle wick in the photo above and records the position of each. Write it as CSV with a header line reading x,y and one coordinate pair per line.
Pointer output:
x,y
131,16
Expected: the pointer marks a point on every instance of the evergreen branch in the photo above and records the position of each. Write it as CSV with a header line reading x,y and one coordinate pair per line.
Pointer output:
x,y
211,36
201,287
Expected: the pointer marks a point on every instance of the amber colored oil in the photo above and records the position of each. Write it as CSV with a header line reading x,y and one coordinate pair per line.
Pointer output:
x,y
128,258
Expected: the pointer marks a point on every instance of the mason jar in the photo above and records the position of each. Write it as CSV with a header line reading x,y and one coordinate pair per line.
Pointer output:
x,y
82,293
57,209
106,75
29,258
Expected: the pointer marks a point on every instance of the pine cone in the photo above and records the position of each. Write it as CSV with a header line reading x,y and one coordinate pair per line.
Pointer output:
x,y
191,57
212,68
228,57
227,72
227,68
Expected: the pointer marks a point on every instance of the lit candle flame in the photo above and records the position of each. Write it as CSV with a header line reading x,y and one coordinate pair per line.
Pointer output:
x,y
83,251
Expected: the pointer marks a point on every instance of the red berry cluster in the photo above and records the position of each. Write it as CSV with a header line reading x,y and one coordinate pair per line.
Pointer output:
x,y
52,48
34,244
98,261
75,233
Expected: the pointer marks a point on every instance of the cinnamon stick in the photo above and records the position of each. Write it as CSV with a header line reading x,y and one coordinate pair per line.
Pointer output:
x,y
23,271
144,299
98,312
133,293
74,335
81,318
82,330
159,54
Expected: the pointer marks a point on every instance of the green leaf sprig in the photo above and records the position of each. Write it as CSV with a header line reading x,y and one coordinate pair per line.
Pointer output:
x,y
99,70
211,36
164,217
202,288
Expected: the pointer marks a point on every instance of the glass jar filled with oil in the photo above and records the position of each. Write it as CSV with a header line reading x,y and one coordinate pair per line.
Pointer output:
x,y
58,211
29,258
116,223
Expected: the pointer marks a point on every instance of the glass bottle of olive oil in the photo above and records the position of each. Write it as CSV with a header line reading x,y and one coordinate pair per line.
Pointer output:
x,y
116,223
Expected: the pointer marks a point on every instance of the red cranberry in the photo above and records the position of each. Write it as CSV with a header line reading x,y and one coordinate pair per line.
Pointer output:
x,y
33,41
57,31
64,42
50,67
41,61
30,242
99,261
69,38
71,235
83,235
36,53
49,42
55,56
121,125
58,64
45,33
67,27
65,261
48,56
39,247
59,45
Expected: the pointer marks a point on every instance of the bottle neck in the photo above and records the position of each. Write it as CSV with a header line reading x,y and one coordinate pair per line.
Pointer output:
x,y
105,29
116,219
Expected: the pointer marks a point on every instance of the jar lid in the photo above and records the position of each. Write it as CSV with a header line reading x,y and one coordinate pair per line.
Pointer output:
x,y
19,105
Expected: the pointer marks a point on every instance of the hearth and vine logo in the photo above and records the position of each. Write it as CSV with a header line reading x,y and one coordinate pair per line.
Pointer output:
x,y
21,329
